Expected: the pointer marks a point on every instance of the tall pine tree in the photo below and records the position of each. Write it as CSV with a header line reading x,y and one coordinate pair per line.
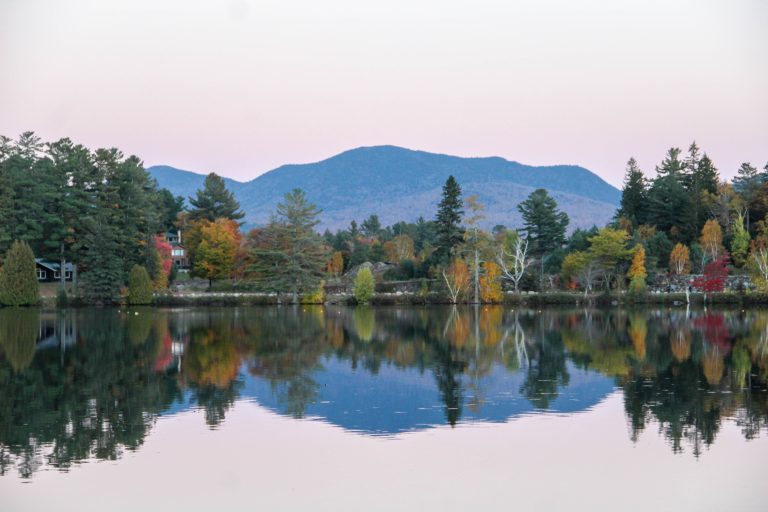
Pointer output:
x,y
634,195
448,221
543,224
214,201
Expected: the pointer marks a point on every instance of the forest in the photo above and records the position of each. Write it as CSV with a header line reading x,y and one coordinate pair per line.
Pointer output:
x,y
683,229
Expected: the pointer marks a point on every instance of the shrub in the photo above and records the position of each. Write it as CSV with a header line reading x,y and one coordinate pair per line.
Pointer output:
x,y
315,297
18,278
139,286
364,286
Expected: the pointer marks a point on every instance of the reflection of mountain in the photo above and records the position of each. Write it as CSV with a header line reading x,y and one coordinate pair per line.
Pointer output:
x,y
400,400
90,384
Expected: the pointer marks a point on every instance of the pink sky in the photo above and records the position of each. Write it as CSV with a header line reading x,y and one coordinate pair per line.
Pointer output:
x,y
241,87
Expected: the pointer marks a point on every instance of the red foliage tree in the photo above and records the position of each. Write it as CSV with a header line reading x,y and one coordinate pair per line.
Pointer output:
x,y
714,277
164,250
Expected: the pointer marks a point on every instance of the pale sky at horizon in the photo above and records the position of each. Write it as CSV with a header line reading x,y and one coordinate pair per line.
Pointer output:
x,y
240,87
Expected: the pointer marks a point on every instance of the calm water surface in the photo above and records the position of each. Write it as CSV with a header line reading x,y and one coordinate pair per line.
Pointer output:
x,y
383,409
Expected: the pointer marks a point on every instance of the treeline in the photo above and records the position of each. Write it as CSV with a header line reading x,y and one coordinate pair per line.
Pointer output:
x,y
103,213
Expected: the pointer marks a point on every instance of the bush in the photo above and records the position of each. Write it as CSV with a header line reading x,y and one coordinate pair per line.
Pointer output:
x,y
139,286
364,286
18,278
315,297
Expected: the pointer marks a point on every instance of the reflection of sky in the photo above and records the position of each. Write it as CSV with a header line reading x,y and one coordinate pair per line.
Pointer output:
x,y
265,461
398,400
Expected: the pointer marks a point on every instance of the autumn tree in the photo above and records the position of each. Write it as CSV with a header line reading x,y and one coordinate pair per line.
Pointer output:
x,y
608,249
711,239
399,248
215,257
679,260
490,283
758,261
715,274
457,279
364,286
580,267
637,273
336,264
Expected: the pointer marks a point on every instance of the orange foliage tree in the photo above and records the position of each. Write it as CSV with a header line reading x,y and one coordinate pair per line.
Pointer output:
x,y
490,283
680,260
456,278
215,255
399,248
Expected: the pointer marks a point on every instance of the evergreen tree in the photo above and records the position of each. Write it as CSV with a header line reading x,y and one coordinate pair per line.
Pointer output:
x,y
449,213
104,274
288,254
371,226
634,195
18,277
543,224
669,208
170,208
748,183
671,165
214,201
139,286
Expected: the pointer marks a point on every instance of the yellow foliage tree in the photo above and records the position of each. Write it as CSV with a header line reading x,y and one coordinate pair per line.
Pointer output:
x,y
680,260
490,283
637,273
219,241
712,239
336,264
399,248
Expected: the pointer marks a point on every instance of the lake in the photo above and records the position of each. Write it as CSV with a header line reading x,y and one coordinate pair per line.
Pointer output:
x,y
335,408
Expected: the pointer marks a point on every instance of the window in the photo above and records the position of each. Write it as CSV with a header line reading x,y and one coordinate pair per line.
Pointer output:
x,y
56,274
177,252
41,274
68,274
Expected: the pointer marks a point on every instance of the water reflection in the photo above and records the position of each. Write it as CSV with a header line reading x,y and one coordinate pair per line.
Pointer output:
x,y
89,384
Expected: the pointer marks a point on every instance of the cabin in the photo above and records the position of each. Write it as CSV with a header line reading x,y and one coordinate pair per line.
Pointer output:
x,y
50,271
178,253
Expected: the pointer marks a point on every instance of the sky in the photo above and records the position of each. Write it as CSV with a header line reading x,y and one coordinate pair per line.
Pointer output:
x,y
240,87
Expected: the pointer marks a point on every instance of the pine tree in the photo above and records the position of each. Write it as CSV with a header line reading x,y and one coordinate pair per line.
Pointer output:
x,y
103,263
748,183
671,165
214,201
448,220
18,277
634,195
288,254
139,286
543,223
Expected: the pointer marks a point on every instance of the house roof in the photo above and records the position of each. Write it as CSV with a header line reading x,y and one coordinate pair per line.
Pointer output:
x,y
54,266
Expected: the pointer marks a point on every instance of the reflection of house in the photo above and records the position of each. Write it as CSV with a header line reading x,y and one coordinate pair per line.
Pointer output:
x,y
49,271
178,253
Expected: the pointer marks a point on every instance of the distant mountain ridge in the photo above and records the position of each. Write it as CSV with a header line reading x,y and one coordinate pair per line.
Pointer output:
x,y
402,184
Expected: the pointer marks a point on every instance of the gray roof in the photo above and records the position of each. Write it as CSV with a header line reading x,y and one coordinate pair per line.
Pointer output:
x,y
54,265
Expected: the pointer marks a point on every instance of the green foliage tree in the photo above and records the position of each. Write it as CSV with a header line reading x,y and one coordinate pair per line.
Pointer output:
x,y
739,242
364,286
288,254
543,223
748,183
18,278
103,276
609,249
139,286
449,232
633,195
214,201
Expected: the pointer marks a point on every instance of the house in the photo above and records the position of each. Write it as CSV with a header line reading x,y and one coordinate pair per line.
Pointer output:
x,y
49,271
178,253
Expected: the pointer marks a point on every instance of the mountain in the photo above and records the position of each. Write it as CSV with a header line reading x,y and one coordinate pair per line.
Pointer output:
x,y
402,184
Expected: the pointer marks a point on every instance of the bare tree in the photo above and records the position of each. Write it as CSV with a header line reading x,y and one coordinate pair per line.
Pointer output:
x,y
513,263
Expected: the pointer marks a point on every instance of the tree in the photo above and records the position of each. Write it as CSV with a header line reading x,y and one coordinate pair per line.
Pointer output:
x,y
490,284
288,254
371,226
103,275
679,260
759,261
512,257
580,267
139,286
739,242
399,248
336,264
637,273
163,262
449,213
215,257
711,239
748,183
18,278
608,249
364,286
543,223
214,201
715,274
473,240
634,195
456,279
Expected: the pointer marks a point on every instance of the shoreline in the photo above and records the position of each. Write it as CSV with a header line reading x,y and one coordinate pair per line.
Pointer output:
x,y
533,299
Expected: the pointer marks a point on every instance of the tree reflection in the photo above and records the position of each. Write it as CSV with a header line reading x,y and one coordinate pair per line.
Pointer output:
x,y
84,384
